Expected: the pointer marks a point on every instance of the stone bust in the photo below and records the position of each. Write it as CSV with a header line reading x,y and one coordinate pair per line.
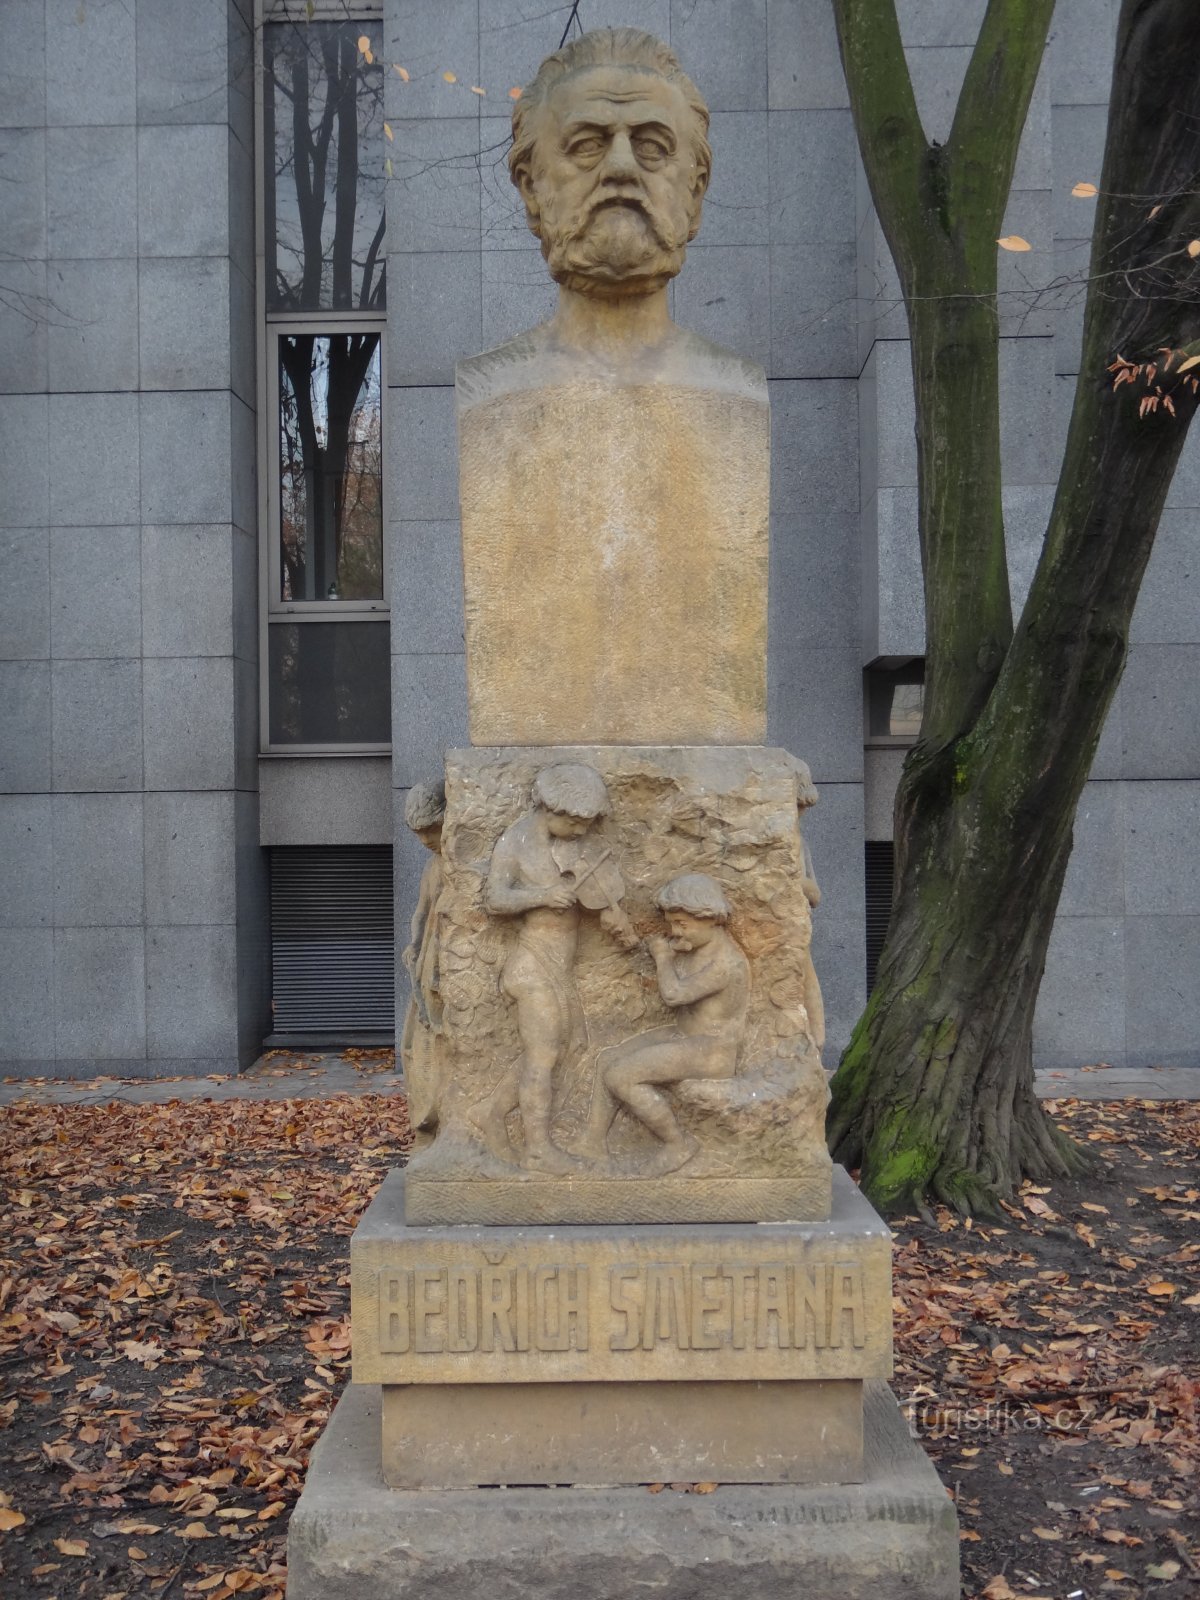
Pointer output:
x,y
610,154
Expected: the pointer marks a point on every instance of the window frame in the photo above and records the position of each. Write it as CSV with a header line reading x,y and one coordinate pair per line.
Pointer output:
x,y
270,327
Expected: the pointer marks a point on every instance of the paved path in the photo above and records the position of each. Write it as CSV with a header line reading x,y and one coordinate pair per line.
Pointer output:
x,y
323,1076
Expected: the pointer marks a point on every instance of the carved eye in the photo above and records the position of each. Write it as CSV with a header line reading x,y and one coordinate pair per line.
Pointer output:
x,y
649,150
586,148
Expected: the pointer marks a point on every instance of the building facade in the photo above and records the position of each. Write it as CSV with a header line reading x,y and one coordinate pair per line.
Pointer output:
x,y
231,631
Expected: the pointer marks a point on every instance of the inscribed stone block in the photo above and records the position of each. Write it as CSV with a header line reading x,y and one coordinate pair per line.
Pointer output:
x,y
191,991
25,737
98,880
25,596
99,993
94,445
27,993
95,596
189,853
97,709
723,45
189,704
26,861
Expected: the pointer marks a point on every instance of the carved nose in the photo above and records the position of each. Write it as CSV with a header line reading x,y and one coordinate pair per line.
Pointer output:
x,y
621,162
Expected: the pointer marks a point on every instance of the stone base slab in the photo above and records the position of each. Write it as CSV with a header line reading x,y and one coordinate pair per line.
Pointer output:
x,y
516,1201
463,1435
892,1537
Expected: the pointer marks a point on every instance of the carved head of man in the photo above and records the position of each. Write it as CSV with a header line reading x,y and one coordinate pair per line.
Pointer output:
x,y
610,153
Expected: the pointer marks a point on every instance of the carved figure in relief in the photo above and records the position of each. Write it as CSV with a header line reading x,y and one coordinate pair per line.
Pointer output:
x,y
424,812
806,796
705,978
546,869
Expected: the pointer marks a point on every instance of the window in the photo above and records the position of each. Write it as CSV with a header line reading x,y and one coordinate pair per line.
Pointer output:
x,y
322,298
895,703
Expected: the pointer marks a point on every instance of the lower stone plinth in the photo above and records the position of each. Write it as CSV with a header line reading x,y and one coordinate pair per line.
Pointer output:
x,y
893,1536
464,1435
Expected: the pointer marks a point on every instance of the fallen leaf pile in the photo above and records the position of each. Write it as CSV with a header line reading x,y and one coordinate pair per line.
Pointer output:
x,y
174,1297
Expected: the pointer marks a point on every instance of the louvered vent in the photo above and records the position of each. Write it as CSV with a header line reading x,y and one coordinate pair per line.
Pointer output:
x,y
333,940
881,857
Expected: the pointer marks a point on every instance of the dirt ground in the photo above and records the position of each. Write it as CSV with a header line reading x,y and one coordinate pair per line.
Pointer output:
x,y
174,1331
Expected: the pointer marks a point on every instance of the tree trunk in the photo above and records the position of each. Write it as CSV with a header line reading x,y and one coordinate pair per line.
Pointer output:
x,y
934,1096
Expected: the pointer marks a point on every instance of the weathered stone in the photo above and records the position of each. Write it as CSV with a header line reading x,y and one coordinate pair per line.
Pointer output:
x,y
891,1537
648,1087
734,1301
461,1436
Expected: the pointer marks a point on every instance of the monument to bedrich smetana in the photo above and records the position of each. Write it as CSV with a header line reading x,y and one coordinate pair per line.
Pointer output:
x,y
619,1255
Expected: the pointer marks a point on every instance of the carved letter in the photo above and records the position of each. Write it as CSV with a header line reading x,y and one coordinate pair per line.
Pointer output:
x,y
742,1320
496,1289
772,1302
622,1286
522,1289
570,1301
462,1310
811,1305
705,1301
848,1296
429,1284
395,1312
665,1316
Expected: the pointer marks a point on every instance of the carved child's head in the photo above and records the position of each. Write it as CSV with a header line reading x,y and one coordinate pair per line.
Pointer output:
x,y
695,907
574,796
610,153
425,811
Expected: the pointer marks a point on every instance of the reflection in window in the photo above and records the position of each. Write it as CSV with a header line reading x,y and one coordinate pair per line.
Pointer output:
x,y
329,683
323,107
896,701
330,485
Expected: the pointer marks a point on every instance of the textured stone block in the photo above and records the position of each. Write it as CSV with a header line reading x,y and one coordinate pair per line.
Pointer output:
x,y
93,336
97,709
812,177
327,801
516,293
723,47
25,502
736,204
1160,733
244,473
183,190
245,595
501,209
1082,40
95,595
26,861
189,708
26,993
646,493
433,193
937,76
25,595
427,603
428,41
98,881
1026,518
834,830
895,416
1080,1017
24,329
457,1436
1162,957
187,589
814,425
91,193
814,704
1166,611
191,991
900,604
813,311
99,993
182,61
804,68
1079,132
94,446
1185,486
351,1538
23,64
514,38
435,298
1162,867
23,163
429,713
184,322
190,859
185,457
940,22
421,435
724,294
24,726
1024,277
94,62
1027,390
732,1302
813,596
245,726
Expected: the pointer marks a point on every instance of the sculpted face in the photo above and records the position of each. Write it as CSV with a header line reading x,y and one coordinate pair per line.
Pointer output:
x,y
614,187
686,932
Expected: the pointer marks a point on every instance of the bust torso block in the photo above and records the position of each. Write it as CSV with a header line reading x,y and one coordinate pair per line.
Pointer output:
x,y
614,527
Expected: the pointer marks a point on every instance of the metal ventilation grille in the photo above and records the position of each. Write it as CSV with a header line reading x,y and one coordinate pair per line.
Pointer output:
x,y
333,948
881,858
